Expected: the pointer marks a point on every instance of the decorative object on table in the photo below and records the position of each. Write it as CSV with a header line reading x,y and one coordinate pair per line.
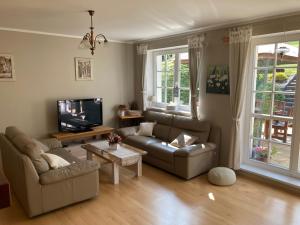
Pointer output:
x,y
218,79
84,68
7,71
89,41
133,113
113,141
122,109
221,176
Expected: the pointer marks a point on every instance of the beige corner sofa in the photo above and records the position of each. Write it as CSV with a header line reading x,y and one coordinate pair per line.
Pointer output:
x,y
186,162
38,188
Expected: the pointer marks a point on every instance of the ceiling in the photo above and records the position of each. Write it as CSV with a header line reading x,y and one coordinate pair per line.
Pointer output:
x,y
130,20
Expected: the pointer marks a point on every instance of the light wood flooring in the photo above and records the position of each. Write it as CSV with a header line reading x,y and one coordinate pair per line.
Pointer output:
x,y
159,198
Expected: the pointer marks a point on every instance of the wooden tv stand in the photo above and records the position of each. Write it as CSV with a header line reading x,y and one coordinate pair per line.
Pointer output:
x,y
69,136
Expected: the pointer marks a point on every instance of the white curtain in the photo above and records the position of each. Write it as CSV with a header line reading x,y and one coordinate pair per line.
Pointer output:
x,y
141,71
196,46
239,47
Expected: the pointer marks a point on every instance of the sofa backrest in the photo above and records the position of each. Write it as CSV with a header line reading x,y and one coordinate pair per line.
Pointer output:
x,y
169,126
194,127
163,124
21,174
27,146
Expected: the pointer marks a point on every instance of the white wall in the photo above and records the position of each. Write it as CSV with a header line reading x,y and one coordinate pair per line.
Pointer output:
x,y
45,72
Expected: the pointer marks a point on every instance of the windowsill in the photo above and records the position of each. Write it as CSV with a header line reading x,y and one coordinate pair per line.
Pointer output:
x,y
280,178
176,112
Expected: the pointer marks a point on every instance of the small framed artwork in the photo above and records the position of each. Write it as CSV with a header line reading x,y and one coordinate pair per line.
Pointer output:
x,y
7,70
218,79
84,68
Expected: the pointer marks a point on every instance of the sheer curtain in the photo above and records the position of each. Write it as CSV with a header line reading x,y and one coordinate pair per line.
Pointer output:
x,y
196,45
239,47
141,75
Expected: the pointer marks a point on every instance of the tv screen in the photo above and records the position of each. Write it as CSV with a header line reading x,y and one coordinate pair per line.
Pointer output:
x,y
79,114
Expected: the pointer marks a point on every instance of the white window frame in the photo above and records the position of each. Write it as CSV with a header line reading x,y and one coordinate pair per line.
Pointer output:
x,y
176,51
293,170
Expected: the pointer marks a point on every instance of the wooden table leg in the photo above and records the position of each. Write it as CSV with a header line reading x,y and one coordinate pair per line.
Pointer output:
x,y
115,170
139,167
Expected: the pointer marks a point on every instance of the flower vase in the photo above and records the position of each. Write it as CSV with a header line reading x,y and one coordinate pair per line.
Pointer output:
x,y
113,146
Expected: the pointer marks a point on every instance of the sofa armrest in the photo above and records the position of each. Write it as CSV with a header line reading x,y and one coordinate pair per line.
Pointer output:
x,y
51,143
193,150
71,171
127,131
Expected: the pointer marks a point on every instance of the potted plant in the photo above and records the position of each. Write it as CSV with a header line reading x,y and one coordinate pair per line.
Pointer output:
x,y
113,140
260,153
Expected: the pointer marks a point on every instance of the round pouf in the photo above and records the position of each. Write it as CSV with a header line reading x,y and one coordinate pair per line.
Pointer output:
x,y
221,176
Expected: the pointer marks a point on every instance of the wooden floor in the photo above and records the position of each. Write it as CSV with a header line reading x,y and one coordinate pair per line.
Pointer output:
x,y
160,198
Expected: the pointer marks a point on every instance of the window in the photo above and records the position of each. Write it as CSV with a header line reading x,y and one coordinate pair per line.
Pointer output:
x,y
171,77
272,133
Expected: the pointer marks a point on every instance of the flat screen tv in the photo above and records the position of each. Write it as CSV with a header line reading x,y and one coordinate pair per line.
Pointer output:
x,y
78,115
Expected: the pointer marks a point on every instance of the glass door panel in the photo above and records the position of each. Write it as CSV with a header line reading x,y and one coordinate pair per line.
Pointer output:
x,y
274,93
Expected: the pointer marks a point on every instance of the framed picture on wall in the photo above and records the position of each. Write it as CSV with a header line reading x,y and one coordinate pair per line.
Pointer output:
x,y
84,68
218,79
7,70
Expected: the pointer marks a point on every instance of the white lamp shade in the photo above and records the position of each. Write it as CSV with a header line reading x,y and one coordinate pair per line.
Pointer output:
x,y
85,44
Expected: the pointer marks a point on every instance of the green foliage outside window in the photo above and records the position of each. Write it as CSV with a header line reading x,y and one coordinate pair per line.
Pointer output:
x,y
167,67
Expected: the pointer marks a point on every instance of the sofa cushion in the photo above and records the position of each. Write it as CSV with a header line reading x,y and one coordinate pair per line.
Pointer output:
x,y
161,132
74,170
161,118
12,132
140,141
191,126
164,121
188,123
63,153
184,139
146,129
42,146
27,146
51,143
162,151
55,161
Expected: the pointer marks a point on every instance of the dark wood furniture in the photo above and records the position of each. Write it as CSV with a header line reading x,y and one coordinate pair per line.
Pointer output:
x,y
4,191
127,120
96,131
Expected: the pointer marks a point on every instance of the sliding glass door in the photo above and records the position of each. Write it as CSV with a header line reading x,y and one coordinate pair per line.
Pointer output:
x,y
273,128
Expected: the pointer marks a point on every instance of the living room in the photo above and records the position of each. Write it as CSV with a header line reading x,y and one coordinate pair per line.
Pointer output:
x,y
161,59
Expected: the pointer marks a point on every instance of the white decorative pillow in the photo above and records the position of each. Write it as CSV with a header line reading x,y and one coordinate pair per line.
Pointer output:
x,y
146,129
55,161
183,139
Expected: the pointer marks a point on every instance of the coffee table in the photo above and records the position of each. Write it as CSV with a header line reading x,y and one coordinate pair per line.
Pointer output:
x,y
125,155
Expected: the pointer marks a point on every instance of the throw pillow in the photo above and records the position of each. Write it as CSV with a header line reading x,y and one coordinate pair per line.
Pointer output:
x,y
146,129
183,139
55,161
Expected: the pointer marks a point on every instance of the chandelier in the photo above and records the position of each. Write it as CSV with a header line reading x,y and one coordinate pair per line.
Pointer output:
x,y
89,41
